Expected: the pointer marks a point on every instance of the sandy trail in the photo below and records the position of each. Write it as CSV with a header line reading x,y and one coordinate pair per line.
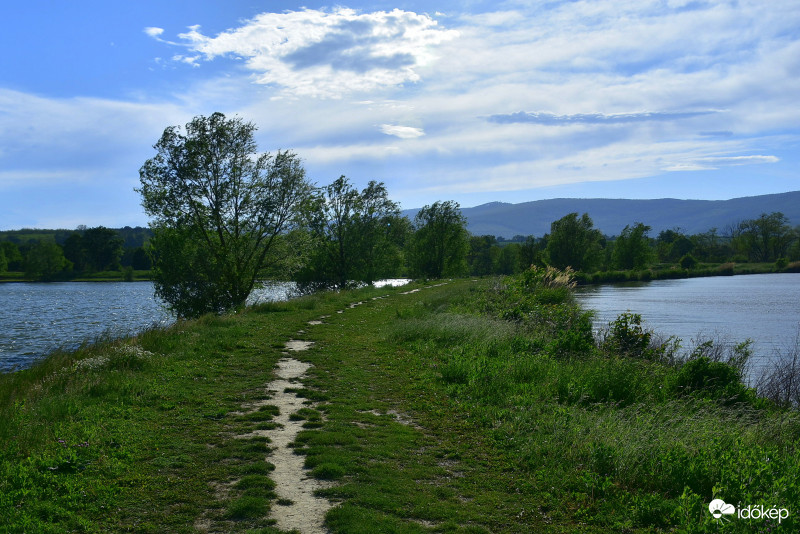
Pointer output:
x,y
307,512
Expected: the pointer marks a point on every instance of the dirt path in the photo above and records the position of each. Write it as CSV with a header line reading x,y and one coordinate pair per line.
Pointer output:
x,y
301,509
298,508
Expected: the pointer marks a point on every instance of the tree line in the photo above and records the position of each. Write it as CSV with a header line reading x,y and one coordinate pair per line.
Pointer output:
x,y
574,242
65,254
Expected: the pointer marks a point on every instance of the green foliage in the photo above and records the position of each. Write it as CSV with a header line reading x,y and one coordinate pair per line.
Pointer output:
x,y
726,269
102,248
764,239
45,261
12,255
627,337
508,261
574,242
705,378
440,241
137,258
482,256
223,206
632,248
688,262
672,245
356,236
188,291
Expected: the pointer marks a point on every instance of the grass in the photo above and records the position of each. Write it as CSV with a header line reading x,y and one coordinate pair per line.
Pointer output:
x,y
472,407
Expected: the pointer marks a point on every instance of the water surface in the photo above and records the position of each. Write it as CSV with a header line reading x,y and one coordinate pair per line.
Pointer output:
x,y
36,318
762,307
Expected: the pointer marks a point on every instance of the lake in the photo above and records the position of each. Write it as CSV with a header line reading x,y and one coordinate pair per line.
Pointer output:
x,y
37,318
761,307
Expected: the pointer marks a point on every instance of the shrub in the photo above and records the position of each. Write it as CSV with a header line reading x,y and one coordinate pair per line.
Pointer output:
x,y
705,378
626,336
781,263
688,261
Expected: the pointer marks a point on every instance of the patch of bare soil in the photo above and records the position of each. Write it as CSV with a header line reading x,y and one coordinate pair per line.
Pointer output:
x,y
306,513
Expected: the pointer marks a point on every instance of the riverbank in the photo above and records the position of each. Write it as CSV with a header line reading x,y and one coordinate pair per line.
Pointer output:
x,y
674,272
463,407
103,276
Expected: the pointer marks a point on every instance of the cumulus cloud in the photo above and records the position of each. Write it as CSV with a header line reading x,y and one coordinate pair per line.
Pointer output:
x,y
153,31
328,53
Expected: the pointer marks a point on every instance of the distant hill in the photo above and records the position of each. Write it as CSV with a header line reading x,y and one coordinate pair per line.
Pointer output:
x,y
611,215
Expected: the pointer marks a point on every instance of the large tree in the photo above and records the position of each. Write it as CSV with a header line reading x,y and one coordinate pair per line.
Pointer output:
x,y
483,254
103,247
45,261
356,235
632,248
574,242
764,239
440,242
12,254
219,209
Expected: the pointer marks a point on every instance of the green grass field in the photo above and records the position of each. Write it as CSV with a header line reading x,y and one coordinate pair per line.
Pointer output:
x,y
469,407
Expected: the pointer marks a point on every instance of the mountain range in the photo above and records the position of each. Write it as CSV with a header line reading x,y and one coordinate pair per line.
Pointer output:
x,y
610,216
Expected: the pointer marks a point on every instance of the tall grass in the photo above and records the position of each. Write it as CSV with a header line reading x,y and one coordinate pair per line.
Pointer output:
x,y
636,432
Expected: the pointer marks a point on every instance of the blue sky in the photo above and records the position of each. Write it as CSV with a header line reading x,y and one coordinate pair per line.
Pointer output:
x,y
468,101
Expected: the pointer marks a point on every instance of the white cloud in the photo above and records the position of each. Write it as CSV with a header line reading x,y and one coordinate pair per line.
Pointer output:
x,y
153,31
328,53
403,132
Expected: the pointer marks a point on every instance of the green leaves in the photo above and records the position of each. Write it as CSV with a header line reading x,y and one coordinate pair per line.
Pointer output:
x,y
356,235
440,242
219,209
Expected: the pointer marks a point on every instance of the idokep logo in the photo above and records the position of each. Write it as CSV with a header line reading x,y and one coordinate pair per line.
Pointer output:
x,y
719,509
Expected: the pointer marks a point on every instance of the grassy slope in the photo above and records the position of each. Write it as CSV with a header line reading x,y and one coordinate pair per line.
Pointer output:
x,y
435,418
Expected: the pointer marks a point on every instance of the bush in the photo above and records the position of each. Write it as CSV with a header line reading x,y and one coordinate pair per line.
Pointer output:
x,y
688,261
626,336
705,378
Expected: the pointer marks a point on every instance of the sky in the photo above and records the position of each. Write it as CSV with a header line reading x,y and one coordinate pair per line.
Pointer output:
x,y
469,101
